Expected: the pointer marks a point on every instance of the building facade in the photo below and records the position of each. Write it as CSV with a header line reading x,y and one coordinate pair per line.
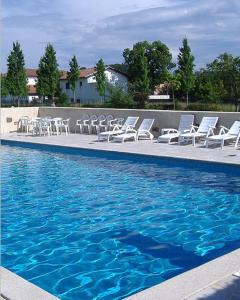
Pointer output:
x,y
86,86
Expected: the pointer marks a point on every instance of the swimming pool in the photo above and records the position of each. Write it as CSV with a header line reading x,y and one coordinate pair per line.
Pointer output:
x,y
91,225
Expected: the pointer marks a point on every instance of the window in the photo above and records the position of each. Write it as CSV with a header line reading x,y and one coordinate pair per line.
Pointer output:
x,y
80,83
67,86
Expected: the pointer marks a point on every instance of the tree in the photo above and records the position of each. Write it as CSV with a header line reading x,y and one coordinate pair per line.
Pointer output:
x,y
101,78
185,68
73,74
4,88
48,73
227,69
208,88
16,79
119,98
141,85
158,62
173,83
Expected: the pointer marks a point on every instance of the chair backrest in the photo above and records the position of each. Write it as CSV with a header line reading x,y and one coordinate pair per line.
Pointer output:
x,y
101,118
85,117
206,123
131,121
235,128
146,125
93,117
109,118
185,123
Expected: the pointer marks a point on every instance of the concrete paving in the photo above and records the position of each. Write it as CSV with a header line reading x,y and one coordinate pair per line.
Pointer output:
x,y
228,155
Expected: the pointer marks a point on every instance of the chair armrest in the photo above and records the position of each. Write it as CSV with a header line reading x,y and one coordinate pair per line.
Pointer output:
x,y
193,128
223,130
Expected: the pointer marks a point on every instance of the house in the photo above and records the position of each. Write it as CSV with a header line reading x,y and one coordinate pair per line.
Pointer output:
x,y
86,86
31,75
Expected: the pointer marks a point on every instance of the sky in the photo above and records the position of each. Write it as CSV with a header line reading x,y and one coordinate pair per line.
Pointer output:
x,y
91,29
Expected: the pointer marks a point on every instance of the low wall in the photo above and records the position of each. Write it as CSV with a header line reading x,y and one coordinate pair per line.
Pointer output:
x,y
10,117
163,118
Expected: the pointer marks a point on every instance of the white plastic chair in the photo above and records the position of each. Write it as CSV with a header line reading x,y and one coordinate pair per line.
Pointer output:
x,y
65,126
225,134
130,123
91,123
98,124
82,123
57,125
23,124
132,134
205,129
169,134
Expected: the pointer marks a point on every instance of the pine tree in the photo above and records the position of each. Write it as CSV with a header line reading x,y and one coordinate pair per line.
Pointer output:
x,y
48,73
185,68
73,74
101,78
16,79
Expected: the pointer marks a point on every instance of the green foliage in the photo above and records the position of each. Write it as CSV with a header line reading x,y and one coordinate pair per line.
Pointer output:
x,y
16,80
73,74
4,88
226,68
101,78
119,98
173,83
48,73
158,61
185,68
205,107
208,88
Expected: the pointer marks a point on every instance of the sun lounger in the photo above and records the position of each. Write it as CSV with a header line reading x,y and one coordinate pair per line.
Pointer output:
x,y
169,134
130,123
132,134
205,129
224,135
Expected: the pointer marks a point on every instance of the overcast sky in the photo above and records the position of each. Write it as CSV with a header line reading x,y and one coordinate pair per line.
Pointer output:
x,y
92,28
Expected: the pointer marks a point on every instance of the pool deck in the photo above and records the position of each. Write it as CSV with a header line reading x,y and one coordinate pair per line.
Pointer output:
x,y
214,280
228,155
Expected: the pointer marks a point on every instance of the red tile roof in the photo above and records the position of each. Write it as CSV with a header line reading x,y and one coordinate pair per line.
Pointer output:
x,y
31,72
83,73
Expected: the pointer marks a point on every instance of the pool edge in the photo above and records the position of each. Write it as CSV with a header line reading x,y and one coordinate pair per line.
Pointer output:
x,y
14,287
16,141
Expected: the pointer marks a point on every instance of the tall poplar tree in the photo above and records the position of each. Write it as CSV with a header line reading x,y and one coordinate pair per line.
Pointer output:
x,y
16,79
141,85
48,73
101,78
73,74
186,68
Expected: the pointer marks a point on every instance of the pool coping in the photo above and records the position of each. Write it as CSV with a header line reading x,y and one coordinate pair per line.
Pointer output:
x,y
195,281
14,287
119,151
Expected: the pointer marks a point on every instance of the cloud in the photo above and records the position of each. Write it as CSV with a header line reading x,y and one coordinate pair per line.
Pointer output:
x,y
92,30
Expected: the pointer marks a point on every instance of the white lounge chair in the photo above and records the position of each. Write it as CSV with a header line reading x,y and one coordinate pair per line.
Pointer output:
x,y
132,134
169,134
130,123
225,134
205,129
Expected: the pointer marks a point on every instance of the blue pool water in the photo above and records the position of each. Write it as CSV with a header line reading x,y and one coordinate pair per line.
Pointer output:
x,y
91,225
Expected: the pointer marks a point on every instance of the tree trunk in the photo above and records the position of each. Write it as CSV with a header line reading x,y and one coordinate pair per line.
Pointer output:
x,y
187,98
74,96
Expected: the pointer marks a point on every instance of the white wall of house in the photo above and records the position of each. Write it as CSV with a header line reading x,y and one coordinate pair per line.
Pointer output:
x,y
86,88
31,80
